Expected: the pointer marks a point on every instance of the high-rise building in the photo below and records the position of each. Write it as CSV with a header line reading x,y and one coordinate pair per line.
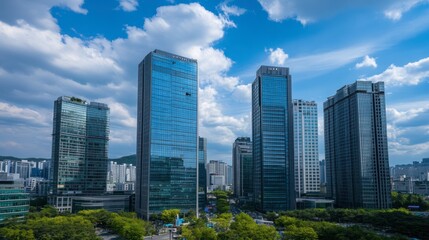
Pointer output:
x,y
202,173
167,134
79,147
229,177
120,177
322,165
357,163
242,164
219,175
272,134
307,179
14,202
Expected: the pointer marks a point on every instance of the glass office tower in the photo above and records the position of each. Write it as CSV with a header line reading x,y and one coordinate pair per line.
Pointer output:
x,y
272,131
242,164
79,147
202,173
307,179
357,163
167,134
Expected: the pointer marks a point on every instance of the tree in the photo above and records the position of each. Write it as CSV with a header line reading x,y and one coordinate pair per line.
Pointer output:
x,y
129,228
198,230
13,234
99,217
271,216
403,200
285,221
169,215
47,211
223,221
300,233
61,227
38,203
245,227
222,204
190,216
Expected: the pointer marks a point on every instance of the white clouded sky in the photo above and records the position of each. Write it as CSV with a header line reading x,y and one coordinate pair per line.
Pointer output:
x,y
84,49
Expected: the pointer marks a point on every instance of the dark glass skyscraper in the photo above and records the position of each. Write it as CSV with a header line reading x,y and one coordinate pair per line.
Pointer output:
x,y
79,146
242,164
357,163
272,130
167,134
202,173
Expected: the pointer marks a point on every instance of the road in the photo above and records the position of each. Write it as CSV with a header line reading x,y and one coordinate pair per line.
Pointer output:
x,y
164,236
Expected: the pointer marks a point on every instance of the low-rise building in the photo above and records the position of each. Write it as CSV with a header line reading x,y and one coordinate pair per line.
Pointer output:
x,y
14,202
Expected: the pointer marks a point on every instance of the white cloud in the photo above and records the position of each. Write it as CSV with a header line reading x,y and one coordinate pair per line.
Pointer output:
x,y
231,10
277,56
128,5
39,64
410,74
119,113
54,51
9,144
215,125
306,11
25,140
213,66
400,149
243,93
329,60
14,112
123,136
408,129
187,30
406,112
395,11
37,12
367,62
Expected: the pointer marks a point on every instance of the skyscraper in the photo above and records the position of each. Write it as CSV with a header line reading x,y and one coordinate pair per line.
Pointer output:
x,y
242,164
202,173
272,131
322,171
79,146
357,163
307,177
167,134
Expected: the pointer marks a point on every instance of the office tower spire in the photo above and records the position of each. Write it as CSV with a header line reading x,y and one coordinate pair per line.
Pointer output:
x,y
357,163
272,131
167,136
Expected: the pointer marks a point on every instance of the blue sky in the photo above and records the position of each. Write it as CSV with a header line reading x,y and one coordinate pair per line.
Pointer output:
x,y
91,49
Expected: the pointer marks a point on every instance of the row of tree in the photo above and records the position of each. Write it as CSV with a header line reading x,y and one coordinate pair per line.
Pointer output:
x,y
243,227
394,221
48,224
404,200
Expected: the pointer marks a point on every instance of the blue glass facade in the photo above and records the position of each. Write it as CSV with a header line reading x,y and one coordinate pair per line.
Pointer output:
x,y
79,146
202,172
242,164
357,163
167,134
272,130
14,201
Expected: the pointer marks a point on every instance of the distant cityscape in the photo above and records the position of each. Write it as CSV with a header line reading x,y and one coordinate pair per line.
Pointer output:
x,y
276,169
